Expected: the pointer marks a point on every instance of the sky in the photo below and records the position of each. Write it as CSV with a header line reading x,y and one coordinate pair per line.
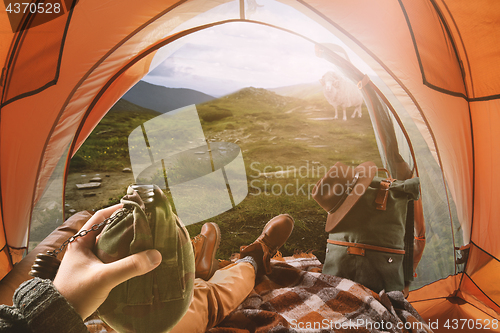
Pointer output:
x,y
228,57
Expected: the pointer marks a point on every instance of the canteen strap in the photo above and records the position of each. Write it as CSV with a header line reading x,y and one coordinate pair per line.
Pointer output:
x,y
355,247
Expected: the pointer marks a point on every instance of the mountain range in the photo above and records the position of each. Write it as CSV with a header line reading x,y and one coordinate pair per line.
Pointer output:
x,y
311,90
125,106
163,99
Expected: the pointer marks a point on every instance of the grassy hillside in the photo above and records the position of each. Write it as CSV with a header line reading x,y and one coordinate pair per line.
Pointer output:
x,y
284,131
106,148
278,133
163,99
306,91
274,133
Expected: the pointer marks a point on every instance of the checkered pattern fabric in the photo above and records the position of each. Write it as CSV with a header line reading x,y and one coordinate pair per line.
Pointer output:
x,y
294,298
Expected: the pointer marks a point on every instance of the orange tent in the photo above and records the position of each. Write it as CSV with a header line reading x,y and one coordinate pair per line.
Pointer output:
x,y
436,59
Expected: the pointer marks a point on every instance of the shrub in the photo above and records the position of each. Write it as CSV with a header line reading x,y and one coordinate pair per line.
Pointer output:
x,y
214,114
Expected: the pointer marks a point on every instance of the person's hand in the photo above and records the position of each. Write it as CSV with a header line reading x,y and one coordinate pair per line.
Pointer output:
x,y
85,281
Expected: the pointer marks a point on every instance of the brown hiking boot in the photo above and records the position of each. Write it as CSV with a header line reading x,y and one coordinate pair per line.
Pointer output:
x,y
205,246
273,236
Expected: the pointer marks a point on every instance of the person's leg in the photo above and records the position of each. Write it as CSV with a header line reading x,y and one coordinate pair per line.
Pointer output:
x,y
273,236
214,299
205,246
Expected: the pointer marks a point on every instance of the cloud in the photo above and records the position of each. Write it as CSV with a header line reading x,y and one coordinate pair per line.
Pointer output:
x,y
230,56
166,70
238,55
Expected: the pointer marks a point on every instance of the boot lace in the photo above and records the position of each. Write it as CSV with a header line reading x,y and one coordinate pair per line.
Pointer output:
x,y
196,239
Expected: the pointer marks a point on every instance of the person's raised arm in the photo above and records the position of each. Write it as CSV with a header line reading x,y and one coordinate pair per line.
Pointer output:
x,y
85,281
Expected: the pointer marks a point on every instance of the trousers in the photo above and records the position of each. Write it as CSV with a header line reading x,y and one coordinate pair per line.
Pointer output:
x,y
214,299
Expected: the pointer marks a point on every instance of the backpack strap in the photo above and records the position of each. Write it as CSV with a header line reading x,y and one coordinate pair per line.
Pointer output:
x,y
358,248
381,203
409,239
383,192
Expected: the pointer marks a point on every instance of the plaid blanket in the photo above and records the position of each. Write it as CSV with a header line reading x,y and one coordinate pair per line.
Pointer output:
x,y
296,297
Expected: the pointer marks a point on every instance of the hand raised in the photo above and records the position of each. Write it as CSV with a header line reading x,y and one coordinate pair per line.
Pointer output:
x,y
85,281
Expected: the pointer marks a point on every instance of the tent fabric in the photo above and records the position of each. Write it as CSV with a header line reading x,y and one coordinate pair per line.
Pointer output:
x,y
421,17
448,307
438,57
26,76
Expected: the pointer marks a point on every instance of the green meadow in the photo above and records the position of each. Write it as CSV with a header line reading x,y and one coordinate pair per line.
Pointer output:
x,y
287,145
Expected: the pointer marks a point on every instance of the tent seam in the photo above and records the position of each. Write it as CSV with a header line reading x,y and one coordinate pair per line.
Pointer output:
x,y
453,43
463,47
460,63
471,229
443,278
480,248
2,210
419,59
414,42
445,298
30,93
484,98
14,46
58,67
488,297
70,15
